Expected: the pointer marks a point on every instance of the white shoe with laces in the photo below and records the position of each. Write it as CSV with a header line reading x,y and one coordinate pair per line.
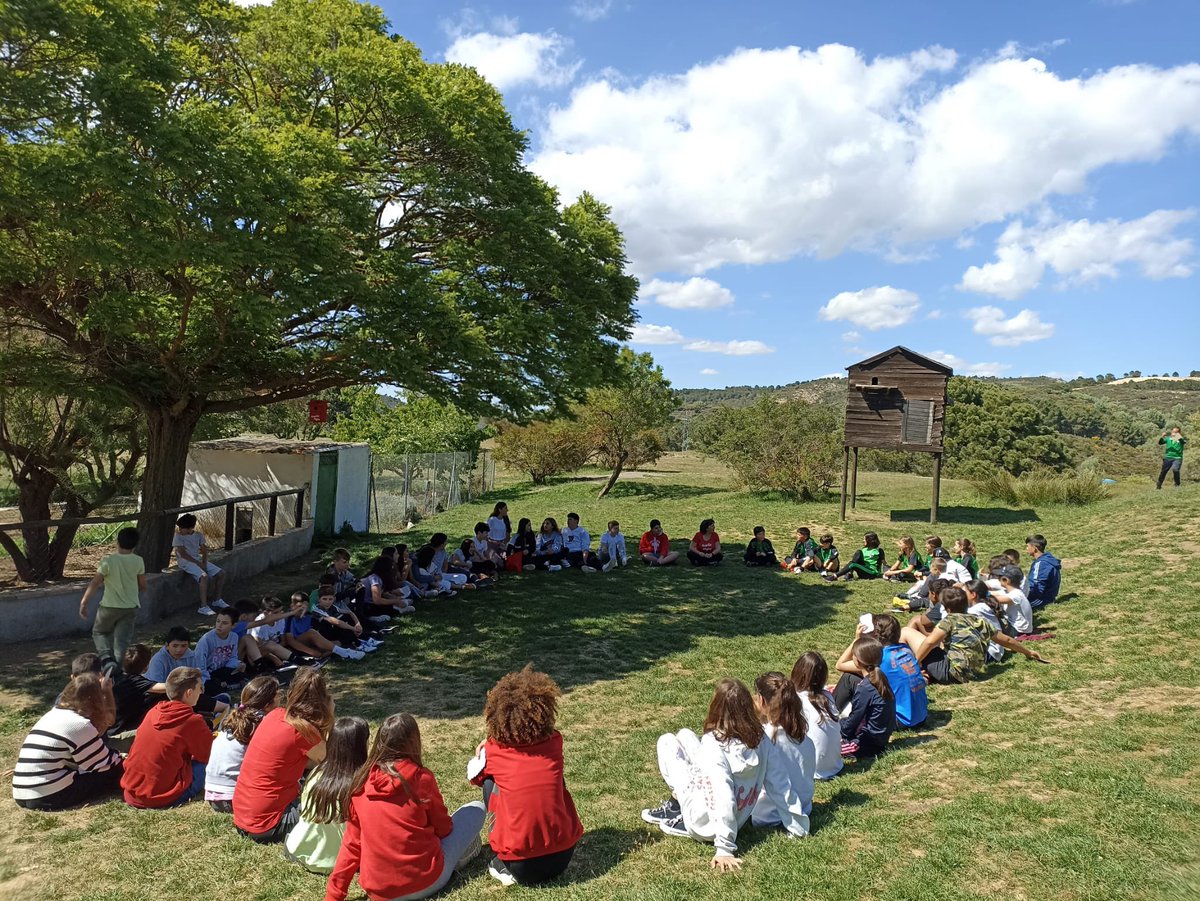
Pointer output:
x,y
206,610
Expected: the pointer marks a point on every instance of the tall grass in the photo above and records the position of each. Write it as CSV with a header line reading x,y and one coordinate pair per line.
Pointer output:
x,y
1035,489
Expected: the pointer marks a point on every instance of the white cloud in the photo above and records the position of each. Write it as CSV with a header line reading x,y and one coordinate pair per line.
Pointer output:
x,y
851,336
655,334
763,155
730,348
1025,327
508,60
832,375
665,334
694,294
592,10
962,367
934,314
1083,251
872,308
709,372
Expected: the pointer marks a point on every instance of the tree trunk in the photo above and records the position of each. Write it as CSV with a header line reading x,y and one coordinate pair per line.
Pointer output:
x,y
36,487
612,479
168,437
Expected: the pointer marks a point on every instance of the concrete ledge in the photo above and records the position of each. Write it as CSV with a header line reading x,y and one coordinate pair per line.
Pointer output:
x,y
52,611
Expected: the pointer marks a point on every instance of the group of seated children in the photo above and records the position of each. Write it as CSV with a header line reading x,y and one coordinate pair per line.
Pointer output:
x,y
288,771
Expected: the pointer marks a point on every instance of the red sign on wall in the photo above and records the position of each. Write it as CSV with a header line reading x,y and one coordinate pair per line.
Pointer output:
x,y
318,411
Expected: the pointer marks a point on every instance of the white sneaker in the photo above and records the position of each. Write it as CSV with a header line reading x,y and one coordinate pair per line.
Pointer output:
x,y
206,610
566,564
219,604
554,567
364,648
608,565
380,620
404,611
588,569
347,653
498,871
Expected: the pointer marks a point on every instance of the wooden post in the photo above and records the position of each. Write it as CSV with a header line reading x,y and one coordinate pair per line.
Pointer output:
x,y
272,514
854,482
937,487
299,508
845,471
229,525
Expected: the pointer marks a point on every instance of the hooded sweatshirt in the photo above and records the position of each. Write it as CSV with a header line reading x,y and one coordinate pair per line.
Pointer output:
x,y
1041,585
535,814
159,766
727,779
799,761
392,839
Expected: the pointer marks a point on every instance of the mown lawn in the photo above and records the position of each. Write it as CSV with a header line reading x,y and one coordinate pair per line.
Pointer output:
x,y
1079,780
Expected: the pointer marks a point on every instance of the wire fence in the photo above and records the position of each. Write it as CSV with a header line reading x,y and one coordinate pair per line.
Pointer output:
x,y
407,487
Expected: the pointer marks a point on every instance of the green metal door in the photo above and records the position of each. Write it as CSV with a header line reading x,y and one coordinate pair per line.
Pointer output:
x,y
327,481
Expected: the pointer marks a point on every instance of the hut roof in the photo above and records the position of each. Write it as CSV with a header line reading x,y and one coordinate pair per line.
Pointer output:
x,y
899,349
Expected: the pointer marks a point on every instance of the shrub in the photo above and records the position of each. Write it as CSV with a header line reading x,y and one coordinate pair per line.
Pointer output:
x,y
543,449
1041,488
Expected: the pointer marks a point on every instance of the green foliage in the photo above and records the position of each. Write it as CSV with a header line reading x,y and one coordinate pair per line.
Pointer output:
x,y
1036,489
989,427
623,422
543,449
790,446
419,425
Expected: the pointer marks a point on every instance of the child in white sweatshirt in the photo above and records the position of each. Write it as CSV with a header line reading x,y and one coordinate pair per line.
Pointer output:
x,y
717,780
785,727
612,547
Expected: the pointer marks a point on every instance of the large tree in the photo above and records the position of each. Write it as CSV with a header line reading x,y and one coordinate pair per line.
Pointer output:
x,y
209,209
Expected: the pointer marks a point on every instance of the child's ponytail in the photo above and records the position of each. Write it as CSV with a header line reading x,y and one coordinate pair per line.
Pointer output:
x,y
868,654
783,708
259,695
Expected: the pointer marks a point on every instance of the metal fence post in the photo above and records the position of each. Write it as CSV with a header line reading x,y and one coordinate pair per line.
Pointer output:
x,y
272,514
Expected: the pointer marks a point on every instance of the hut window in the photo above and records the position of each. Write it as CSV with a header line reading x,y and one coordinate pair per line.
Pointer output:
x,y
874,380
918,422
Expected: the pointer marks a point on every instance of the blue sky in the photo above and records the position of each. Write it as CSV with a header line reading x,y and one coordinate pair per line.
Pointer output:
x,y
1012,186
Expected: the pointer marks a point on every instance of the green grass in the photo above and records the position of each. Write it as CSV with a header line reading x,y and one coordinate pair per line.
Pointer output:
x,y
1073,781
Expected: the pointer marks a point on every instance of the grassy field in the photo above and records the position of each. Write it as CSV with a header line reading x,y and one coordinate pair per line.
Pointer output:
x,y
1079,780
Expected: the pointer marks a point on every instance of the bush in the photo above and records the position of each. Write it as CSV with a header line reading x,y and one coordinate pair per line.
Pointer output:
x,y
543,449
791,447
1041,488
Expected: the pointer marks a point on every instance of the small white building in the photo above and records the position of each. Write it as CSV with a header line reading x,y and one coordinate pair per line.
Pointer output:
x,y
337,478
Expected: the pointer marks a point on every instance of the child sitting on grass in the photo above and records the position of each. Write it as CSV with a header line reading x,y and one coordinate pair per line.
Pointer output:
x,y
809,675
705,549
316,840
782,716
341,626
760,551
400,839
259,697
1017,609
917,597
64,761
301,636
165,766
655,546
267,629
828,560
804,553
868,726
716,780
965,554
867,563
612,548
907,567
217,656
345,581
897,664
132,692
265,799
177,652
577,542
520,767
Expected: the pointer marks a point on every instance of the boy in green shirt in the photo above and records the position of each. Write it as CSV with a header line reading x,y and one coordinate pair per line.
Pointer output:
x,y
760,551
804,553
123,577
1172,455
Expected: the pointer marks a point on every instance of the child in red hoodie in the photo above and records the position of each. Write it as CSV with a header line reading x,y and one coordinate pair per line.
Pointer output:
x,y
399,837
165,766
520,766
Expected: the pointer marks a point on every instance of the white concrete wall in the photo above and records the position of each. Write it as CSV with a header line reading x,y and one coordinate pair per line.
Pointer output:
x,y
354,488
214,474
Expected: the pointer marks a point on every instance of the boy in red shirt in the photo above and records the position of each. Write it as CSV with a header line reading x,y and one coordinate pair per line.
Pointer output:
x,y
165,766
520,766
655,546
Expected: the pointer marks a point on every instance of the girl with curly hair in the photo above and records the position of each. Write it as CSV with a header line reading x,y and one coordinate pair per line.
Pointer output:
x,y
716,780
520,767
259,697
400,838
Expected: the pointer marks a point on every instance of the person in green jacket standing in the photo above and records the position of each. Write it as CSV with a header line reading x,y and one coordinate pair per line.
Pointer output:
x,y
1172,454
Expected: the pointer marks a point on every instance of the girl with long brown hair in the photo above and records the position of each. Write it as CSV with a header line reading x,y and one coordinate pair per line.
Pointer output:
x,y
809,677
784,725
868,726
399,839
716,780
286,742
316,839
259,697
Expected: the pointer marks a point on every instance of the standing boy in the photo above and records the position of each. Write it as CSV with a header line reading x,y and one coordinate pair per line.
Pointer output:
x,y
123,577
1173,445
191,556
577,542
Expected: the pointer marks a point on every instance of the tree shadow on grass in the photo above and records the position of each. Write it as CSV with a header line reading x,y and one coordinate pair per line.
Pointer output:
x,y
660,491
971,516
